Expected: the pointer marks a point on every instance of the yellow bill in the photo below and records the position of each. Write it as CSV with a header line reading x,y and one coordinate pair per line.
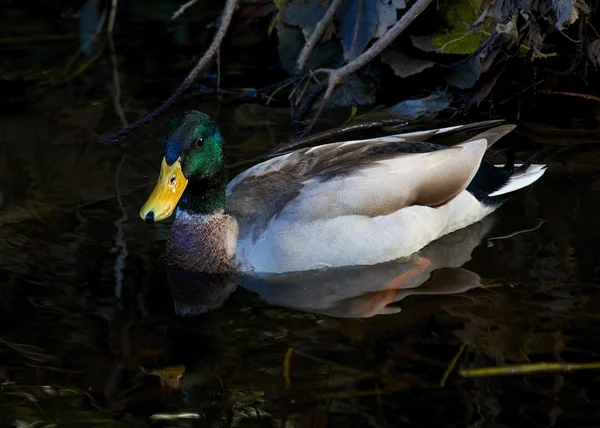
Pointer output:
x,y
167,192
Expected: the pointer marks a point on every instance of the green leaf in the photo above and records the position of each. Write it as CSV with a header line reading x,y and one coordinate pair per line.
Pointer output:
x,y
459,36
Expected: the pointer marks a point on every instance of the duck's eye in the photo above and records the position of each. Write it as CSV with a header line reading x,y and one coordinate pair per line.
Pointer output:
x,y
172,179
199,142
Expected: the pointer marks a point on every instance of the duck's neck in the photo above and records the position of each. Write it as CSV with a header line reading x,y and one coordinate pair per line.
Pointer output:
x,y
203,237
205,196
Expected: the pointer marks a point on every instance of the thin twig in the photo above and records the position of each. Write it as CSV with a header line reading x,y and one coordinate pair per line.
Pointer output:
x,y
569,38
334,365
97,54
522,91
230,7
286,368
219,94
452,364
539,224
570,94
270,91
337,76
83,66
316,35
528,369
97,31
116,82
112,15
183,8
120,242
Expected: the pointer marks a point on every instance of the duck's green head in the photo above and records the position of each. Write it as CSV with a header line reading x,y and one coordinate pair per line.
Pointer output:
x,y
192,152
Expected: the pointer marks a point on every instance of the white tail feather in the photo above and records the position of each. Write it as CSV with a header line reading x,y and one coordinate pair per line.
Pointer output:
x,y
521,179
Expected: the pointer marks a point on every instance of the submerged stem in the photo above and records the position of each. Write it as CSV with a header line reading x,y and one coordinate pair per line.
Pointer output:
x,y
528,369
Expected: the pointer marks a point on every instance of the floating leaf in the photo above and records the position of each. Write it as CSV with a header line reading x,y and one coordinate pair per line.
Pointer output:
x,y
169,376
301,13
404,65
387,10
357,22
460,36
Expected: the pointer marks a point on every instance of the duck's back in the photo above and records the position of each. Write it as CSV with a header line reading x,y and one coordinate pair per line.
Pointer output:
x,y
357,202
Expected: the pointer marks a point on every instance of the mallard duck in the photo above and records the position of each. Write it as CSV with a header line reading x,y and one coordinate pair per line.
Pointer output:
x,y
348,203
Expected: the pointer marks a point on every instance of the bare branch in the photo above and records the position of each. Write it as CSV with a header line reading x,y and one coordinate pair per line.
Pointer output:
x,y
116,81
570,94
183,8
113,14
316,35
337,76
226,16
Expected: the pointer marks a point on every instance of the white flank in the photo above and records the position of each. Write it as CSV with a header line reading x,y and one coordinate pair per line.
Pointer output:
x,y
353,240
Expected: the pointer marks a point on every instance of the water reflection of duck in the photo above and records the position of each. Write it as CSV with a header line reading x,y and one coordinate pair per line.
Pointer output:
x,y
195,293
349,292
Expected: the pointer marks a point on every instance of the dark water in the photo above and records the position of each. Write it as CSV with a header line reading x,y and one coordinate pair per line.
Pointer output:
x,y
92,333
